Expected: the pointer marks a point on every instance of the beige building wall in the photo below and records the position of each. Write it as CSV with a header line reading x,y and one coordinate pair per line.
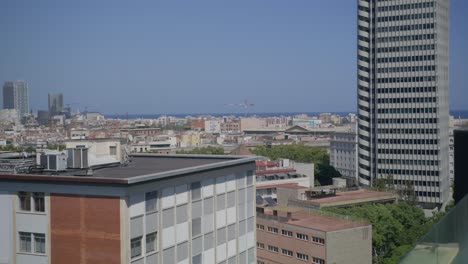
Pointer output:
x,y
350,246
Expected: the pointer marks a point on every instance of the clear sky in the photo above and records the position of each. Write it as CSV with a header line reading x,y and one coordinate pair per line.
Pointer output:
x,y
174,56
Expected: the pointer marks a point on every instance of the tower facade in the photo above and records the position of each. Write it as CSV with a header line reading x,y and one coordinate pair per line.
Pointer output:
x,y
403,129
16,96
55,104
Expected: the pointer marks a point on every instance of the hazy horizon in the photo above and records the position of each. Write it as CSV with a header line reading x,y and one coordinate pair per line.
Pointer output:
x,y
151,57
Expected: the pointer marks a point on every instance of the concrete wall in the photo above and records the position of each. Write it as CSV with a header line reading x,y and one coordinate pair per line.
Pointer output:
x,y
216,226
6,227
351,246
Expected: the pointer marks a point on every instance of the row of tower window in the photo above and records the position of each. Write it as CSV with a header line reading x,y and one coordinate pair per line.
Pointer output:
x,y
407,90
405,7
407,100
409,162
406,38
407,141
408,151
406,110
416,131
417,183
407,69
406,48
405,17
406,58
407,79
406,27
407,121
408,172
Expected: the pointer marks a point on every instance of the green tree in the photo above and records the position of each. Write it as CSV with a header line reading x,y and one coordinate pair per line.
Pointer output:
x,y
395,227
205,150
325,173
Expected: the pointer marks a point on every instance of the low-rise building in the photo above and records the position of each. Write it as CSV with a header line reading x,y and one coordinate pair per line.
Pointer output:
x,y
343,154
289,236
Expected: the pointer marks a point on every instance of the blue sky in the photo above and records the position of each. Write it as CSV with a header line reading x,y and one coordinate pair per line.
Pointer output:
x,y
176,56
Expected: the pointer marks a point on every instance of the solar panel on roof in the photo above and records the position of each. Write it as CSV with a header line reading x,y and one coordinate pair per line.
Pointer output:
x,y
259,199
270,201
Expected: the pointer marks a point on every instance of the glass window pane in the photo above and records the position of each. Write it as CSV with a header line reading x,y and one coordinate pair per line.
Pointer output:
x,y
25,242
25,201
151,242
196,190
39,202
151,201
135,247
39,243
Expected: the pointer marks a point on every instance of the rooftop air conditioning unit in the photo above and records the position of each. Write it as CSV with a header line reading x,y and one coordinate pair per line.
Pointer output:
x,y
54,161
77,158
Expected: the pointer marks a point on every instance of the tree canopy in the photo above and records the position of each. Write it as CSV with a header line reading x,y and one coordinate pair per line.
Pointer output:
x,y
205,150
395,227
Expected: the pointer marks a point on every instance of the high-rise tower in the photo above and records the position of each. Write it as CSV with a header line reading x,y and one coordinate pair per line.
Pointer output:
x,y
55,103
403,95
16,96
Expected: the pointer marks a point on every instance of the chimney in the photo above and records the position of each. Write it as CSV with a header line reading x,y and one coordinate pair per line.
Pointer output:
x,y
289,215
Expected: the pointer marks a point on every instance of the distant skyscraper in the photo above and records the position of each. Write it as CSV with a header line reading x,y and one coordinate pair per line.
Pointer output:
x,y
403,95
55,103
16,96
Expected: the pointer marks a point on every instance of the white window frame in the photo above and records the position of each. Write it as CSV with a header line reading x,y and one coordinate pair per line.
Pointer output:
x,y
302,256
155,242
136,240
32,237
287,252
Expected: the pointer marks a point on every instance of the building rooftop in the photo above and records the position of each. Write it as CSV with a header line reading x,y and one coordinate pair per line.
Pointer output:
x,y
314,220
353,197
141,168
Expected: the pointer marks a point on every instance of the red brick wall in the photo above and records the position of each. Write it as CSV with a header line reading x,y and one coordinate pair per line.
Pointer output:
x,y
84,229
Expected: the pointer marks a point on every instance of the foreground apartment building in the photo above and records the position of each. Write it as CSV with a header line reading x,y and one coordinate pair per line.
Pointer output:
x,y
152,209
403,68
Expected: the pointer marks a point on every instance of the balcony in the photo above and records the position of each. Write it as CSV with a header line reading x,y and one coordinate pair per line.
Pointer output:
x,y
446,242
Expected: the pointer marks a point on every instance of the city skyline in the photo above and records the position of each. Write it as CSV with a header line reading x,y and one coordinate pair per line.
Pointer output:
x,y
195,58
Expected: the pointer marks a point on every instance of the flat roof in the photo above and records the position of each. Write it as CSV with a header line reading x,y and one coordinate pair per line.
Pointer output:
x,y
317,221
351,197
143,167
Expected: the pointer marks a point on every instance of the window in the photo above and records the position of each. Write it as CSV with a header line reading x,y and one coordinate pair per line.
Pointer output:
x,y
260,245
286,252
151,242
318,260
39,243
135,247
32,242
113,150
25,201
318,240
273,248
196,191
39,202
25,242
273,230
31,201
286,233
302,256
302,236
151,201
260,227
